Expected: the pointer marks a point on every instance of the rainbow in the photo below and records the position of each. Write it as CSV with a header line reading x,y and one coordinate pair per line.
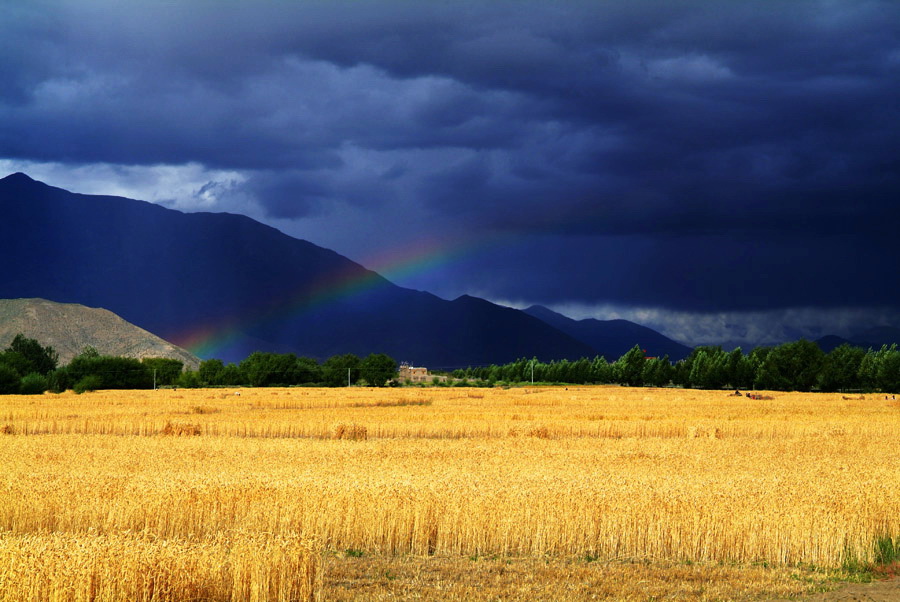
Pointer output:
x,y
210,339
422,256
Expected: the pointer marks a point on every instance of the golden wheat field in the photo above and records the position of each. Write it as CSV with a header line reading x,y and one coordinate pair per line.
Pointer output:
x,y
442,493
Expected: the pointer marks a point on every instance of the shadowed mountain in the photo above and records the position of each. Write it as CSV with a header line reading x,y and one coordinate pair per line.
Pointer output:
x,y
69,328
872,338
830,342
612,338
224,285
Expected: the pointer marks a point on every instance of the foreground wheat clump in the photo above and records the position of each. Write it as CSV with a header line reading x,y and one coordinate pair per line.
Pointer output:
x,y
229,489
100,568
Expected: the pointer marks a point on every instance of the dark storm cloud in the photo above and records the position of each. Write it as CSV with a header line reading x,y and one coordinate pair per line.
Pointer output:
x,y
706,272
288,195
679,127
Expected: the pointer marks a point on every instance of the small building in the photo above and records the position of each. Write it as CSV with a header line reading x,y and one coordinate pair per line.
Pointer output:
x,y
413,374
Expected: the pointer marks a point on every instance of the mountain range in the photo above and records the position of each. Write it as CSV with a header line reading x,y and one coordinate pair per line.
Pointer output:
x,y
224,285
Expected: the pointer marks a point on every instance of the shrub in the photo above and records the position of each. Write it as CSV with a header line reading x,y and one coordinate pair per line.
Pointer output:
x,y
33,384
188,380
59,380
91,382
111,372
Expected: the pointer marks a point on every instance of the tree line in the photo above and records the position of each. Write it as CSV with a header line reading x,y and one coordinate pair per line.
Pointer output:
x,y
27,367
796,366
262,369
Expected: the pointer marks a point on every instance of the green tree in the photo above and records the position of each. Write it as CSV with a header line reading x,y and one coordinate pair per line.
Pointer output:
x,y
718,374
15,361
706,367
555,371
42,360
231,376
377,369
166,370
518,371
338,370
709,368
263,369
107,372
738,370
308,371
683,369
580,371
600,371
657,371
10,381
757,358
213,373
681,374
840,368
188,379
868,368
258,368
887,370
210,372
630,367
791,367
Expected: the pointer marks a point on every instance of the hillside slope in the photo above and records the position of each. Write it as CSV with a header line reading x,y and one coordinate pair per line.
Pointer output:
x,y
69,328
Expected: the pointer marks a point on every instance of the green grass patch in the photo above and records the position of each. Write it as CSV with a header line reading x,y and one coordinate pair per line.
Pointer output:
x,y
885,553
887,550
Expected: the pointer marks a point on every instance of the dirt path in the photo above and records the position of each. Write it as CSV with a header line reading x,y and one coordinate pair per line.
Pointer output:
x,y
877,591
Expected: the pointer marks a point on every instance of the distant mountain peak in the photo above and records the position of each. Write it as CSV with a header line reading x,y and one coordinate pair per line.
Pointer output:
x,y
22,184
18,177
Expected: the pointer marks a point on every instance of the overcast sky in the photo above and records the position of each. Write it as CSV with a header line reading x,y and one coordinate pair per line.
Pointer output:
x,y
718,170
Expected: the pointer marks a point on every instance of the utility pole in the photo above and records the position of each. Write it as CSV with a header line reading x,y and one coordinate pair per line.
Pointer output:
x,y
154,379
532,371
348,377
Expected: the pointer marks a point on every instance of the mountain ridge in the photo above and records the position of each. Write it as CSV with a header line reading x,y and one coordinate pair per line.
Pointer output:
x,y
612,338
871,338
70,327
178,274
